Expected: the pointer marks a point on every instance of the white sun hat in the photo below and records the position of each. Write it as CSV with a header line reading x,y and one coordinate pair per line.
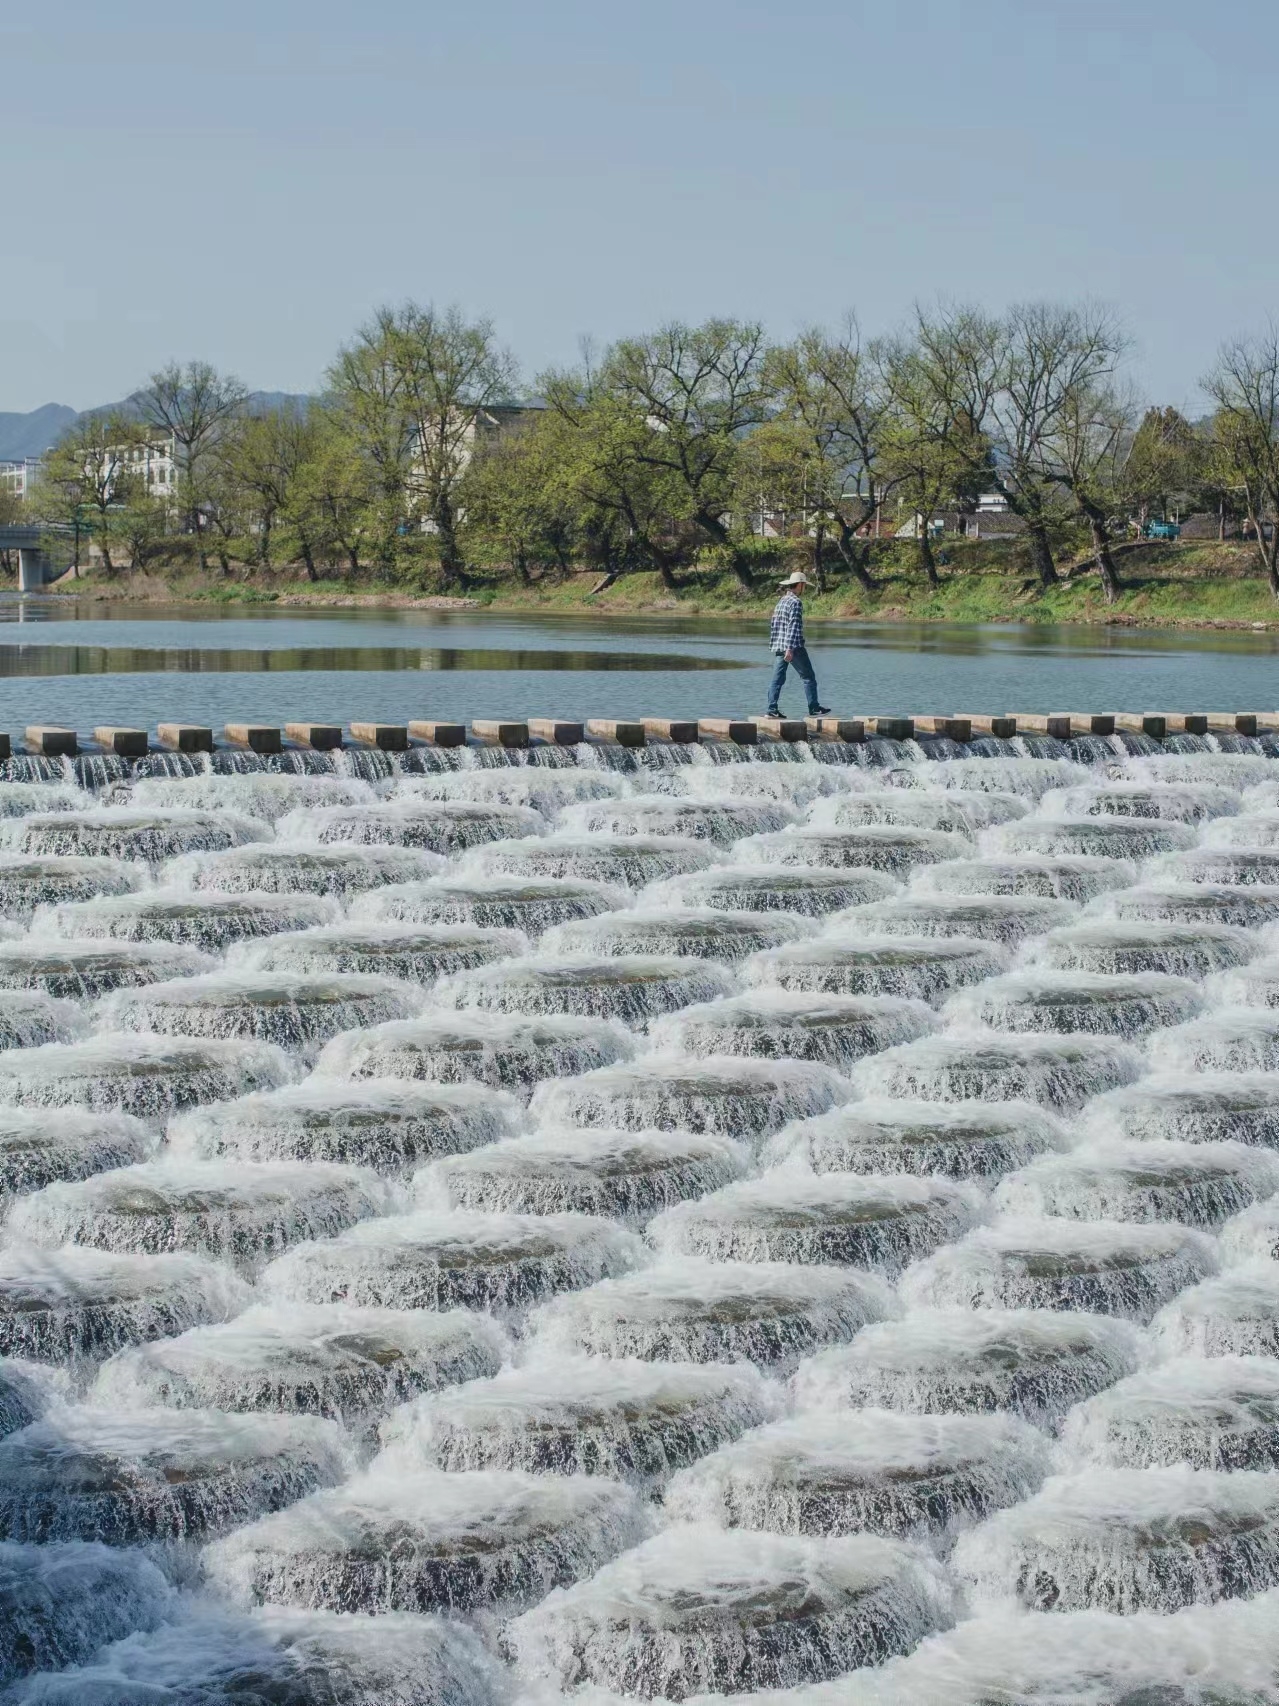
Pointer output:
x,y
799,578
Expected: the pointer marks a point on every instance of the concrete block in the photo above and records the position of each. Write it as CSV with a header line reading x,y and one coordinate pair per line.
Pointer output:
x,y
387,737
320,737
682,732
1238,722
184,737
1089,722
1152,723
728,728
51,742
835,728
126,743
6,747
1186,723
492,732
439,734
782,728
257,737
1002,728
1057,724
608,728
553,733
952,728
891,728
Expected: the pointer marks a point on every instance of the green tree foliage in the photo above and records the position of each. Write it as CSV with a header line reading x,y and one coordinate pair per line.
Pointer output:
x,y
832,434
686,396
92,478
413,390
1166,464
672,451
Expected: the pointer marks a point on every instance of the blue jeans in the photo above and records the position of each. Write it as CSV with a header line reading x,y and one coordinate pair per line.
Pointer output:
x,y
804,670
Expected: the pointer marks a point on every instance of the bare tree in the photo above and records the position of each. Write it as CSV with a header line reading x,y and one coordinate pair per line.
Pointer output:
x,y
193,404
1244,385
1087,453
1049,357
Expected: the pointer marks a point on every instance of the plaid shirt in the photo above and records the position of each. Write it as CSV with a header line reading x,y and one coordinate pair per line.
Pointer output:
x,y
786,632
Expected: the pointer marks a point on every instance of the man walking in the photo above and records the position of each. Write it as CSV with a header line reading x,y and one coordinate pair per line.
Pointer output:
x,y
786,642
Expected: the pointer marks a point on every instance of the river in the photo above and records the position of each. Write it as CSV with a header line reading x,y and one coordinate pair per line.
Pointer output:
x,y
277,665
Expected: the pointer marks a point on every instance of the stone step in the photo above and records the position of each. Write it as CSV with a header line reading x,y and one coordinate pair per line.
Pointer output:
x,y
319,737
386,737
185,737
125,743
491,732
552,733
439,734
741,730
609,728
680,730
51,742
256,737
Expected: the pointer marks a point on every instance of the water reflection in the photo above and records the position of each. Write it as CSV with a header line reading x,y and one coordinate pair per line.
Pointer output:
x,y
33,660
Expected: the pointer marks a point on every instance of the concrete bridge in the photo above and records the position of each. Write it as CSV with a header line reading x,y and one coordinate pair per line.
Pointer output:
x,y
35,569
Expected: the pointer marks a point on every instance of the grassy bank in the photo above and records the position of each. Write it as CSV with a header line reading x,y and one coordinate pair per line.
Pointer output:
x,y
1165,585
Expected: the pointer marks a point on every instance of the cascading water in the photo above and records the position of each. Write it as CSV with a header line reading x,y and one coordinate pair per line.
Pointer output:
x,y
349,1364
1104,1004
628,1176
618,1417
1125,1540
1006,920
920,968
419,954
760,1204
698,932
1115,949
289,1658
917,1477
1112,1267
957,1140
29,884
208,922
532,905
386,1124
1069,877
244,1214
466,1541
1034,1363
701,1609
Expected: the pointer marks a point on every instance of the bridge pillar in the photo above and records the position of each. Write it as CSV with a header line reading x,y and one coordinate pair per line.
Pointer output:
x,y
33,568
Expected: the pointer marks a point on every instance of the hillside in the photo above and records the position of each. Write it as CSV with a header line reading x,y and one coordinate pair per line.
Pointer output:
x,y
32,433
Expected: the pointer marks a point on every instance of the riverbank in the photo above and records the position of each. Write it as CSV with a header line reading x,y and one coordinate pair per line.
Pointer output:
x,y
1193,586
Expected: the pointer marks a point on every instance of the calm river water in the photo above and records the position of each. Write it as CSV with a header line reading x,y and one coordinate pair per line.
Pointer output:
x,y
274,666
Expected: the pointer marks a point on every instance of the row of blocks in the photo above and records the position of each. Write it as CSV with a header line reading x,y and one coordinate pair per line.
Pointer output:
x,y
397,737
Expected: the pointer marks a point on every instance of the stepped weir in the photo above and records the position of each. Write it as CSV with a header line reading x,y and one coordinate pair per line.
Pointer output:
x,y
650,1209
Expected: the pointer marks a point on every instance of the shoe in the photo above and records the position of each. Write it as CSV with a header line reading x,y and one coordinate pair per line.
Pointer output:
x,y
772,713
821,711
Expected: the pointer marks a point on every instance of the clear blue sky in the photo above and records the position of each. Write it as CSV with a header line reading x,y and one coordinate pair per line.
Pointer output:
x,y
245,182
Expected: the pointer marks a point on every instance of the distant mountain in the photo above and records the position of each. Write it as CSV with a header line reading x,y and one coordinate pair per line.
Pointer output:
x,y
32,434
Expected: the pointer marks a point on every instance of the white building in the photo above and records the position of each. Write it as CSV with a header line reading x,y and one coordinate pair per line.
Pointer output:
x,y
17,478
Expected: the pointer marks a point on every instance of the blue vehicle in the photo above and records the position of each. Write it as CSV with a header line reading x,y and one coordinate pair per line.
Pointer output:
x,y
1161,530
